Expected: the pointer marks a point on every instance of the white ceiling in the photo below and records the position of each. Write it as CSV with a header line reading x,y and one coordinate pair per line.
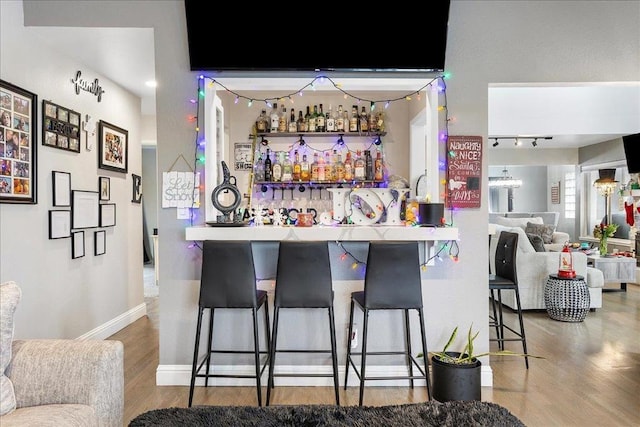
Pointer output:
x,y
126,56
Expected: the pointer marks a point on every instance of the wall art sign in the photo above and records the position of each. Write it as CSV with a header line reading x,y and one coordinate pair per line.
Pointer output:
x,y
18,152
180,189
243,156
136,190
60,127
555,193
82,84
113,144
464,171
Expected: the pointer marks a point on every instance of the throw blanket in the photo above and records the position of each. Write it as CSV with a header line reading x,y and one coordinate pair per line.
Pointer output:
x,y
471,413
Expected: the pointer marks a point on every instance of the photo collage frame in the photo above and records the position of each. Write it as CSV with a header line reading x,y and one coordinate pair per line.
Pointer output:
x,y
60,127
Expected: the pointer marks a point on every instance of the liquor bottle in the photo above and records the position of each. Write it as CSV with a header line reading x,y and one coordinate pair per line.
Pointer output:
x,y
307,116
261,122
359,167
348,167
328,167
380,120
268,172
301,124
364,120
354,121
296,166
378,170
340,119
314,167
321,169
258,170
368,162
274,116
305,171
339,168
311,127
276,167
373,123
282,120
287,168
330,121
293,125
320,120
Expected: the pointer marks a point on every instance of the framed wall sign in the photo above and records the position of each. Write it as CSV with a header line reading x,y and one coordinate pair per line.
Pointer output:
x,y
99,243
107,215
59,224
61,188
18,152
104,187
77,244
136,193
60,127
85,209
113,144
464,171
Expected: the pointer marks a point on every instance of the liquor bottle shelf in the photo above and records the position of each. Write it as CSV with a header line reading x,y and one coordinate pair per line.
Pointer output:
x,y
318,134
354,183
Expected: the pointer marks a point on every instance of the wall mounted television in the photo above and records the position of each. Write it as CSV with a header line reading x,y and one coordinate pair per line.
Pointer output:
x,y
632,152
338,37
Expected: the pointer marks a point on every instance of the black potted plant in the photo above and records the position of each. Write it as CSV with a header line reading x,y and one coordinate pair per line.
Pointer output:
x,y
456,374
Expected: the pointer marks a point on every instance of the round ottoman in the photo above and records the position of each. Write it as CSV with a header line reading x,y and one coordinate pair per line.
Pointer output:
x,y
566,299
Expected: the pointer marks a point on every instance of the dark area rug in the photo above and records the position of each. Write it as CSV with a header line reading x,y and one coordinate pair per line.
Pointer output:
x,y
459,414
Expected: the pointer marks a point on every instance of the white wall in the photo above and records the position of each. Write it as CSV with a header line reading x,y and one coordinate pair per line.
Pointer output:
x,y
63,297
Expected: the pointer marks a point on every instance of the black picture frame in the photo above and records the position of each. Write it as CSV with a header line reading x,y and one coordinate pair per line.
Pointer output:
x,y
18,158
60,127
77,244
136,190
59,224
104,187
99,243
61,183
85,208
107,215
113,147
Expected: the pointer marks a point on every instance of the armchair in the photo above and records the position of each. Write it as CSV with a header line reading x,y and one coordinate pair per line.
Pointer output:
x,y
58,382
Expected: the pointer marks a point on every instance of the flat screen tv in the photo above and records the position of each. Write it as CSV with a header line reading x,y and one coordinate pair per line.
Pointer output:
x,y
632,152
234,36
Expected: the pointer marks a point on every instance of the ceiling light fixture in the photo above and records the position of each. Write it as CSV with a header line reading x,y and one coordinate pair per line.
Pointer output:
x,y
504,181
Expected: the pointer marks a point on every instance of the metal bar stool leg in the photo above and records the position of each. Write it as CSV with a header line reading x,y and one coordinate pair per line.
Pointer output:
x,y
272,357
363,363
256,352
425,352
500,321
522,335
209,345
407,332
194,367
346,370
495,315
334,355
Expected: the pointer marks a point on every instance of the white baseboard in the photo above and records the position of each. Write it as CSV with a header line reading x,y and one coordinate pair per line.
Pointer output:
x,y
105,330
181,375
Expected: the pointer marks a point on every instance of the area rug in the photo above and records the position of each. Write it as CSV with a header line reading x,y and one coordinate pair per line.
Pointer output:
x,y
447,414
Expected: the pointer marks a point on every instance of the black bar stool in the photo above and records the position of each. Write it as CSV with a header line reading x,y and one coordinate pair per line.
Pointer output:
x,y
392,282
506,279
228,281
303,280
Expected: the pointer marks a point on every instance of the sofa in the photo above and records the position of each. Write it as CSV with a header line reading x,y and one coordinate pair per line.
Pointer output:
x,y
520,219
534,267
57,382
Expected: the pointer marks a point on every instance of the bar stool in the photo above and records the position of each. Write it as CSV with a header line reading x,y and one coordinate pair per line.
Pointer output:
x,y
303,280
392,282
506,279
228,281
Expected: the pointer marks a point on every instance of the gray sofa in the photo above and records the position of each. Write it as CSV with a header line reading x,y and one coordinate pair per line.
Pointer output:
x,y
57,382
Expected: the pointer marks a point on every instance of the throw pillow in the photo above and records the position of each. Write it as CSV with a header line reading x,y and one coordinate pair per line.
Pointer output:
x,y
542,230
518,222
536,242
9,297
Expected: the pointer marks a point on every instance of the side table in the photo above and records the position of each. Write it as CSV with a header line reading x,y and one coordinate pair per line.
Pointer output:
x,y
615,270
566,299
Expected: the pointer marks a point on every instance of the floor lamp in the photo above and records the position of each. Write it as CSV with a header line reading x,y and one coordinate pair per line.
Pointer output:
x,y
606,185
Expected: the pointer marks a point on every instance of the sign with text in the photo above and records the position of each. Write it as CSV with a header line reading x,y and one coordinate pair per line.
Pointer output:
x,y
180,189
464,171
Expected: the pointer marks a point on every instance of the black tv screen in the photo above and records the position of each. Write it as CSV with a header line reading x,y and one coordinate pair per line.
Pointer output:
x,y
234,36
632,152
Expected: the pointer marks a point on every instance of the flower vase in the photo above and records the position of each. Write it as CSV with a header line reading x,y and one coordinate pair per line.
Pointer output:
x,y
603,246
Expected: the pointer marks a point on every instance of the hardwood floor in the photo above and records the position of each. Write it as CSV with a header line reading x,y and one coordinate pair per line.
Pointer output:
x,y
590,375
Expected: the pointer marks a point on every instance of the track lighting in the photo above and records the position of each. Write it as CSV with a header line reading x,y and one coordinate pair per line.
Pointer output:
x,y
519,139
534,142
495,144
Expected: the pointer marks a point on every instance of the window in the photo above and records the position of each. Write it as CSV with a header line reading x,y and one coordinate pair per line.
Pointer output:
x,y
570,195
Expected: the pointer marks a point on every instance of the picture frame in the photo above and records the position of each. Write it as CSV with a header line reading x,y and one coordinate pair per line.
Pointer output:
x,y
77,244
113,147
59,224
60,127
85,209
104,187
107,215
136,191
61,182
18,151
99,243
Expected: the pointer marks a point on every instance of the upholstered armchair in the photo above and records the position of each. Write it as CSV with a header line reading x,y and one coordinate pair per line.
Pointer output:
x,y
57,382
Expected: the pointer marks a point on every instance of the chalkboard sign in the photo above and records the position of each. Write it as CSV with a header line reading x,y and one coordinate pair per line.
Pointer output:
x,y
464,171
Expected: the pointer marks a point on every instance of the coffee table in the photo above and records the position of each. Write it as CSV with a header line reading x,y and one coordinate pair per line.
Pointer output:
x,y
616,269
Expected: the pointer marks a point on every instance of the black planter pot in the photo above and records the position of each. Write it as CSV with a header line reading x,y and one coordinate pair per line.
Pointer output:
x,y
455,382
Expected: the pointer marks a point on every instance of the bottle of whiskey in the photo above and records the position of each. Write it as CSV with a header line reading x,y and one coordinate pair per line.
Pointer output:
x,y
287,168
268,172
348,167
320,120
340,119
339,168
364,120
354,121
359,167
368,161
292,125
305,171
378,170
311,127
373,123
301,124
274,117
276,167
321,169
330,121
314,167
261,122
328,167
296,166
282,120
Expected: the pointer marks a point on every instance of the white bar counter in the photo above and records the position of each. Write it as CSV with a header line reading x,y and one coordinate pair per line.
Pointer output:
x,y
322,232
